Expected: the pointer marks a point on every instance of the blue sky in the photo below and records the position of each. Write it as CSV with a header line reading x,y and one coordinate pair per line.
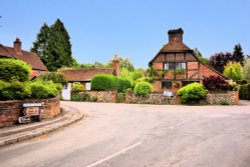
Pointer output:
x,y
130,28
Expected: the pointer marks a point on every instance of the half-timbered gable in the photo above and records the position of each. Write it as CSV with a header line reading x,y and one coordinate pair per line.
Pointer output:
x,y
178,64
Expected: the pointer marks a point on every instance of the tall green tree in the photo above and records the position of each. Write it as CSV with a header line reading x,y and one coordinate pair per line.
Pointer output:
x,y
238,54
53,46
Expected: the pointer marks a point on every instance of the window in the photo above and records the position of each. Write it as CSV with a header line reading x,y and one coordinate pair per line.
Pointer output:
x,y
166,84
174,66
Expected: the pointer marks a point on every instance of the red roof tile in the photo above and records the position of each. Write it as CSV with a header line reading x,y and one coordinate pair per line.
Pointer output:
x,y
29,57
79,75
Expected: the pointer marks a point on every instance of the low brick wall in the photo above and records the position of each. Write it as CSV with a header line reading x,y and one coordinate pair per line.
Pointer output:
x,y
231,97
10,110
102,96
152,98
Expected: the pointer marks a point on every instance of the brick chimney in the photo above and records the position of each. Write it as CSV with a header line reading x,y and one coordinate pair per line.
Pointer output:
x,y
116,65
175,36
17,45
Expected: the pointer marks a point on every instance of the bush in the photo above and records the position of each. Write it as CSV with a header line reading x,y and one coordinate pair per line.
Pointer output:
x,y
214,83
142,88
56,77
14,70
241,82
43,90
14,91
80,97
244,92
191,93
104,82
123,85
77,87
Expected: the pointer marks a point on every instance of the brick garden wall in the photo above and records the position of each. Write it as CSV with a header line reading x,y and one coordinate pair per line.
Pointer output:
x,y
10,110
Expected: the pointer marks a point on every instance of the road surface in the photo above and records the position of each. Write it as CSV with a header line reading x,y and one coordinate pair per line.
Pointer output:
x,y
134,135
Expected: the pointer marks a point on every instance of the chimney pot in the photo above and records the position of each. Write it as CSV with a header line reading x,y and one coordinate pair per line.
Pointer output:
x,y
17,45
175,35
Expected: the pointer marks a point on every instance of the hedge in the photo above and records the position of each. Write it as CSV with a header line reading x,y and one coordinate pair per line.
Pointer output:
x,y
104,82
23,90
192,93
56,77
143,88
123,85
244,92
14,70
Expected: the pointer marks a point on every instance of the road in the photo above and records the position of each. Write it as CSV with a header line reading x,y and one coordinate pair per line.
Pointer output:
x,y
131,135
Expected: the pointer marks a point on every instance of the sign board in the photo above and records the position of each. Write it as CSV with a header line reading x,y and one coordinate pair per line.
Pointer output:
x,y
32,104
168,94
31,111
24,119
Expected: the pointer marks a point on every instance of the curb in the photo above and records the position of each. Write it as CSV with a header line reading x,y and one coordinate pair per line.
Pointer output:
x,y
41,131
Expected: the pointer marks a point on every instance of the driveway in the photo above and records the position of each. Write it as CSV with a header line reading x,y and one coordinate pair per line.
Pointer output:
x,y
131,135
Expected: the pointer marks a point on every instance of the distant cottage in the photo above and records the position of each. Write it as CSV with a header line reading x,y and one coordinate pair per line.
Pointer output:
x,y
29,57
84,76
178,65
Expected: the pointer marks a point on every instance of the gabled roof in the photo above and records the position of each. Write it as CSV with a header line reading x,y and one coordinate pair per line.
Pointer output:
x,y
29,57
79,75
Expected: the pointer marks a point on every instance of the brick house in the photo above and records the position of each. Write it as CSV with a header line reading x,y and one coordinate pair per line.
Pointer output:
x,y
177,65
29,57
84,76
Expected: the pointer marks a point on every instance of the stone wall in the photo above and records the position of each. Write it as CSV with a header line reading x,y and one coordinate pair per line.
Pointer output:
x,y
10,110
231,97
102,96
152,98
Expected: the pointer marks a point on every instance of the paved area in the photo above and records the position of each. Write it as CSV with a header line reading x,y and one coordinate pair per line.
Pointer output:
x,y
120,135
11,135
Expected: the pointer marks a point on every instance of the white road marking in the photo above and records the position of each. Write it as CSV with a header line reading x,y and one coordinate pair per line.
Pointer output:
x,y
180,123
113,155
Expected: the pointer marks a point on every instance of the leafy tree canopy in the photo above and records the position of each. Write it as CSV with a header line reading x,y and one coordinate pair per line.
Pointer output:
x,y
53,46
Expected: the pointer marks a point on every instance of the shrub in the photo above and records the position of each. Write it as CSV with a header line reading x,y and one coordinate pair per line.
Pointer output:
x,y
193,92
244,92
142,88
14,91
42,90
215,83
77,87
56,77
12,69
123,85
80,97
241,82
104,82
224,102
246,70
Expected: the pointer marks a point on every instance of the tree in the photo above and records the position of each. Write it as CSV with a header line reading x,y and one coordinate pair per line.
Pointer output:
x,y
124,63
39,46
233,71
246,70
204,60
238,54
53,46
219,60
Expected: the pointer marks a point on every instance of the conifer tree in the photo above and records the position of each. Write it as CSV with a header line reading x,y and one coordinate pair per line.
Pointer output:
x,y
53,46
238,54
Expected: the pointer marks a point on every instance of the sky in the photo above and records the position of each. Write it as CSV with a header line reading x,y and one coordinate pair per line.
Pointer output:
x,y
137,29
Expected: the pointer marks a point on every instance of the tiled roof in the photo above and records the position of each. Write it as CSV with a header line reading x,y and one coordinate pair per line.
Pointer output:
x,y
84,74
174,47
29,57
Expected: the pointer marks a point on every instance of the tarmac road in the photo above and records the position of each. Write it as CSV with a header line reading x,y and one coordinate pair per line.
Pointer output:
x,y
129,135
